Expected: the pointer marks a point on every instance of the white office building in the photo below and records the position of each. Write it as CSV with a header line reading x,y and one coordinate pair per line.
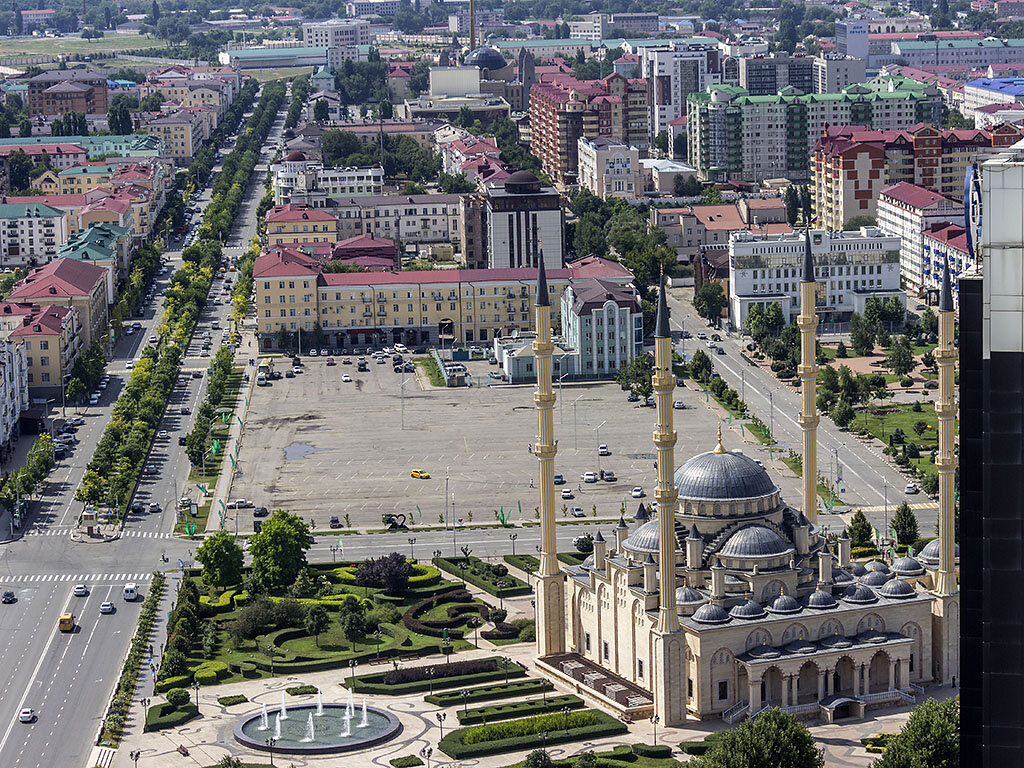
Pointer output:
x,y
609,168
337,33
298,180
852,38
672,71
849,268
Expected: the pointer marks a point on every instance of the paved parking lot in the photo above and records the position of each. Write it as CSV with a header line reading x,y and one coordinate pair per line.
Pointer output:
x,y
320,447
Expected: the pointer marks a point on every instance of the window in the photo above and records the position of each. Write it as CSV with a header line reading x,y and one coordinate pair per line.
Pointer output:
x,y
640,668
723,690
604,650
44,345
45,377
689,687
586,635
44,361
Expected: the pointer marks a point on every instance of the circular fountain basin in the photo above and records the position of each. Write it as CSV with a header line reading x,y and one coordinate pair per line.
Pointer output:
x,y
381,726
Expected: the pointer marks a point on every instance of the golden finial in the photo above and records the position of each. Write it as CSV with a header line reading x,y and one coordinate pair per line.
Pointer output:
x,y
719,448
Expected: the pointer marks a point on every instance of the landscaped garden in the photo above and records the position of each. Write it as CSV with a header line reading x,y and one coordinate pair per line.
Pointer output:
x,y
635,756
493,579
529,733
455,674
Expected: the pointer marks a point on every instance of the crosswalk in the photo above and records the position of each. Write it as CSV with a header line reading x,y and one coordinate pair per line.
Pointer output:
x,y
891,507
66,531
77,578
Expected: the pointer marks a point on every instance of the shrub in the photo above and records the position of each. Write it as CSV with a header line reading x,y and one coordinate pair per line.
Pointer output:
x,y
175,681
490,692
375,683
863,552
302,690
392,572
230,701
452,669
653,750
164,716
526,734
209,672
177,696
518,709
409,761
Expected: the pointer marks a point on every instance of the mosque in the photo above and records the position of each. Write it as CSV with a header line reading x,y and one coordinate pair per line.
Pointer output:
x,y
730,600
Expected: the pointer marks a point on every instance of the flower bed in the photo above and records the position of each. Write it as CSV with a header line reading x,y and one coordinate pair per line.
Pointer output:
x,y
528,733
490,692
518,709
455,674
302,690
493,579
437,627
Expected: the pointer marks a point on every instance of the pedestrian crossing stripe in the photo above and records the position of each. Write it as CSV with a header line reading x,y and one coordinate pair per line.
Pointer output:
x,y
129,533
78,578
892,507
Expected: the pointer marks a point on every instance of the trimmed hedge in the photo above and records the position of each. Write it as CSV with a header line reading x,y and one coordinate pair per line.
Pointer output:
x,y
653,750
701,746
518,709
877,744
525,563
222,604
211,672
230,701
490,692
436,627
178,681
452,565
527,734
301,690
409,761
376,682
163,716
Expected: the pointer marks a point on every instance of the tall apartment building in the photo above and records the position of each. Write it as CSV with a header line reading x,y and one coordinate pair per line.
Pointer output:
x,y
849,267
767,75
410,219
735,136
641,23
673,71
413,307
905,211
337,33
833,73
852,38
73,284
609,168
939,243
590,26
603,323
564,109
851,166
30,234
524,222
49,341
979,52
57,91
386,8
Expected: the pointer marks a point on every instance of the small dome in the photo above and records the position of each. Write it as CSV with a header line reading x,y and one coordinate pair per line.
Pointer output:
x,y
841,576
877,565
747,610
522,183
836,642
784,604
875,579
898,589
643,539
801,645
295,157
930,554
711,613
820,599
587,563
857,569
858,594
872,636
723,476
755,541
486,58
764,652
908,566
686,595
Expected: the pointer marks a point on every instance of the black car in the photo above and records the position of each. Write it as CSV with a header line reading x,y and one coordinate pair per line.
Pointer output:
x,y
559,480
335,522
182,439
631,398
297,361
260,512
275,375
138,506
289,374
7,597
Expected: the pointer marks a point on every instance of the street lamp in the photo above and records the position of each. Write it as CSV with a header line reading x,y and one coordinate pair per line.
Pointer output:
x,y
376,634
654,722
565,713
465,701
441,717
512,537
430,680
505,661
334,552
412,548
195,687
134,756
270,741
425,753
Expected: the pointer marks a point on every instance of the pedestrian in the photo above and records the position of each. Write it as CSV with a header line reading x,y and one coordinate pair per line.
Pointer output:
x,y
531,482
579,487
529,448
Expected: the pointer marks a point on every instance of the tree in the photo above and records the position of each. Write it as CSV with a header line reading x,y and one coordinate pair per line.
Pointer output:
x,y
222,560
842,414
774,739
352,626
856,222
76,390
588,236
904,524
119,119
686,186
154,13
792,205
316,622
538,759
279,549
390,571
661,141
700,367
860,530
91,34
454,184
862,337
900,359
19,167
386,109
321,111
928,360
635,376
709,301
931,737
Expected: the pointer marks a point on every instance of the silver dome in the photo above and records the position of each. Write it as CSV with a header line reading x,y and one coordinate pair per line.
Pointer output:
x,y
875,579
747,610
898,589
688,596
908,566
836,642
755,541
820,599
711,613
723,476
801,645
841,576
763,652
785,604
643,539
857,569
930,554
859,595
486,58
587,563
877,565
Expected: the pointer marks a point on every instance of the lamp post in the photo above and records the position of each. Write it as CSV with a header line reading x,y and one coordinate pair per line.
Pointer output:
x,y
376,634
575,441
654,722
425,753
412,548
441,717
565,714
512,537
465,701
430,680
270,741
195,687
334,552
597,429
505,660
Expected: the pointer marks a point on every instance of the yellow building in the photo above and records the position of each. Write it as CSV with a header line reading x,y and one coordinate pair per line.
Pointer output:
x,y
73,284
415,308
182,133
295,224
51,338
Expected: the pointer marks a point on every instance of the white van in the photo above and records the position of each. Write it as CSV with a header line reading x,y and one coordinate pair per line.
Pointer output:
x,y
131,591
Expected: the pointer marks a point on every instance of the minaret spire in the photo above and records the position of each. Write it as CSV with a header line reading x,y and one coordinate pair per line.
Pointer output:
x,y
550,581
945,459
807,321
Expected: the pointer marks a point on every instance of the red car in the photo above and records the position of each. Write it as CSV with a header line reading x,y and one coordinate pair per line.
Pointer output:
x,y
330,361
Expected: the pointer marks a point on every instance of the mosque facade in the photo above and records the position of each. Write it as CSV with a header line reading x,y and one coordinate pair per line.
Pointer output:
x,y
761,608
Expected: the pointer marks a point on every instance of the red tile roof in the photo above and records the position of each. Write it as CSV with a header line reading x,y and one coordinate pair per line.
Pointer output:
x,y
46,321
298,212
913,195
950,234
285,262
61,278
57,201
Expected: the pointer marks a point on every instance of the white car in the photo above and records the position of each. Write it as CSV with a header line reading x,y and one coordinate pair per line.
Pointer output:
x,y
678,405
94,399
27,715
637,493
130,364
106,607
911,488
566,493
602,450
346,377
162,434
80,590
589,477
313,353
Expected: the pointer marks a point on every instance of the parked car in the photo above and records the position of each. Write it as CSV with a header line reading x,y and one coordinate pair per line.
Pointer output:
x,y
420,474
602,450
182,439
240,504
589,477
184,410
578,512
346,377
678,405
313,353
150,469
637,493
911,489
609,477
567,493
330,361
559,480
260,512
289,374
154,507
335,522
631,398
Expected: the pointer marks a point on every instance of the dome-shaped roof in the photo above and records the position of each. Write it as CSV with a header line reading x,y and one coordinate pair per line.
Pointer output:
x,y
801,645
587,563
858,569
931,551
764,651
908,566
755,541
295,157
836,641
522,183
877,565
784,604
898,589
820,599
875,578
872,636
486,58
859,595
841,576
711,613
686,595
747,610
722,475
643,539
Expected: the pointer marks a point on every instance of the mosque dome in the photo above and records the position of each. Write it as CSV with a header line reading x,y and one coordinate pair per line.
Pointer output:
x,y
930,554
764,651
877,565
295,157
755,541
841,576
875,578
784,604
522,183
908,566
801,645
857,569
711,613
859,595
486,58
686,595
748,610
836,642
644,539
820,599
898,589
588,563
719,474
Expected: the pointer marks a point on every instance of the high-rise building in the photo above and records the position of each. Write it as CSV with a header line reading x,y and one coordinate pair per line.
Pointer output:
x,y
609,168
832,73
767,75
524,224
337,33
673,71
852,38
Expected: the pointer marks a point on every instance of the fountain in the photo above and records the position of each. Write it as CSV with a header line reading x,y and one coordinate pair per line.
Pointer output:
x,y
264,725
310,732
326,728
284,707
351,704
319,705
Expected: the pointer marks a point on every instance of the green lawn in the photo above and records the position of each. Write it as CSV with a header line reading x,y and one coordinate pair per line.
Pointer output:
x,y
830,354
265,75
903,417
112,42
796,464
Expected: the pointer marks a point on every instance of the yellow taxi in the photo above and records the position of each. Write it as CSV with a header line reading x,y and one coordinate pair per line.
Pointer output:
x,y
420,474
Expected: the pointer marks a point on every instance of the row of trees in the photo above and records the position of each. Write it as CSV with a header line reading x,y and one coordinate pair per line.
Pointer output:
x,y
199,440
19,483
202,164
300,91
400,154
798,203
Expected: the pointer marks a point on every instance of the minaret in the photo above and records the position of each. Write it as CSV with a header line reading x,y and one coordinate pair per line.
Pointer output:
x,y
945,460
472,26
550,581
669,664
807,321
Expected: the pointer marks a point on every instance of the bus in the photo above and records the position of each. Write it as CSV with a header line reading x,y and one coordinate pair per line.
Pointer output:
x,y
131,591
66,622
